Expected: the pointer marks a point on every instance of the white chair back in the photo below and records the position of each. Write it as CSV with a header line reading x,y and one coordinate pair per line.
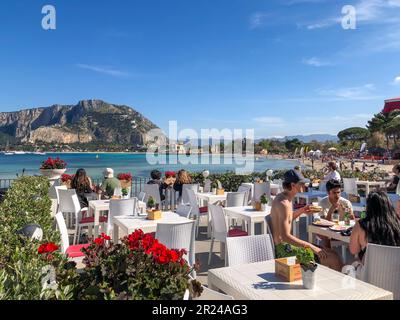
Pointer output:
x,y
245,250
207,185
350,186
260,189
62,227
141,196
381,268
192,201
186,188
247,190
118,191
57,193
69,202
152,190
218,222
120,207
184,210
178,236
236,199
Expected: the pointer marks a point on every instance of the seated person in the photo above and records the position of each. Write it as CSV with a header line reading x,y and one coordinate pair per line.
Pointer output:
x,y
110,183
183,178
392,187
334,201
156,179
82,185
380,226
282,216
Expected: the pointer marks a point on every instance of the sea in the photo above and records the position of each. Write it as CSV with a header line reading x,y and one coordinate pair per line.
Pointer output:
x,y
140,165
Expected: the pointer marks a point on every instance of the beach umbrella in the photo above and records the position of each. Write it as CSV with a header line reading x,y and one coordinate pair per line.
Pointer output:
x,y
363,147
332,149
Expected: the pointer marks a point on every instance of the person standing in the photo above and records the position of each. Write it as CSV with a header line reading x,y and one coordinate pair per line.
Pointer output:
x,y
332,174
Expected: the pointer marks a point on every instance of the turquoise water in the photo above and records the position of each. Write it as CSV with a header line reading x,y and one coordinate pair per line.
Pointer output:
x,y
135,163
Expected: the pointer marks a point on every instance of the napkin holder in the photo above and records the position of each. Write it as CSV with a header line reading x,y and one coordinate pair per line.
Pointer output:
x,y
154,214
289,273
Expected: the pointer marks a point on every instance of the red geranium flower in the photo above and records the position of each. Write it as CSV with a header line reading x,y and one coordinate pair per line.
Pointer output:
x,y
47,248
51,163
125,176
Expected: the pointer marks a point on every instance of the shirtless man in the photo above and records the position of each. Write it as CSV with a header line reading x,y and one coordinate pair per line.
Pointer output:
x,y
282,216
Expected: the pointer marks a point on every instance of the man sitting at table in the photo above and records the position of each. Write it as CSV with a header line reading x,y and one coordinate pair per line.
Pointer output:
x,y
282,216
334,201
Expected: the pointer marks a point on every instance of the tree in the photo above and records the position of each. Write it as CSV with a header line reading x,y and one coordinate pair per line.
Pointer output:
x,y
291,145
383,122
355,134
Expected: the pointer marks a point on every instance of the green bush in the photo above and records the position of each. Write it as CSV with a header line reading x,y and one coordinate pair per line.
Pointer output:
x,y
21,266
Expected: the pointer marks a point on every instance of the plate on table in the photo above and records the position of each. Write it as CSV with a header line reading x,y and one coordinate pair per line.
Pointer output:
x,y
323,223
338,228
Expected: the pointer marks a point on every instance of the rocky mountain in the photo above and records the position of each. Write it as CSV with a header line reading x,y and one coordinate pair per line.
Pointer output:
x,y
88,121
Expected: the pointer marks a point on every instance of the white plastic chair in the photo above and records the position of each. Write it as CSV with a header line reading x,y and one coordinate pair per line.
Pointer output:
x,y
245,250
120,207
185,188
184,210
141,196
72,251
235,199
260,189
249,186
178,236
207,185
381,268
195,213
58,195
220,229
247,190
69,203
350,186
153,190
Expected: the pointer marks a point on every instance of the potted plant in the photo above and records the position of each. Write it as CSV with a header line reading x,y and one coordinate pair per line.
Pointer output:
x,y
125,193
305,257
53,168
151,203
264,202
137,268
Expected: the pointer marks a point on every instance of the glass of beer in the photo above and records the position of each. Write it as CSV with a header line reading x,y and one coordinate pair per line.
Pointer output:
x,y
335,217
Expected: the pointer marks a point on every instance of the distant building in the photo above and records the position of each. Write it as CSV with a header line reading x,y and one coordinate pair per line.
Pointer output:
x,y
391,105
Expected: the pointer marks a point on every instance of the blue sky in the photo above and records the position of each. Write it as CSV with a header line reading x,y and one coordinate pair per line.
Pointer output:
x,y
281,67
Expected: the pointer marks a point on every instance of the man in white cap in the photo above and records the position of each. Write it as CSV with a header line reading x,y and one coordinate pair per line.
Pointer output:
x,y
109,183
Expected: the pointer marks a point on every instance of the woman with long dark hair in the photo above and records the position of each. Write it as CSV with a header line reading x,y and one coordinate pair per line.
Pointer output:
x,y
82,184
182,178
380,226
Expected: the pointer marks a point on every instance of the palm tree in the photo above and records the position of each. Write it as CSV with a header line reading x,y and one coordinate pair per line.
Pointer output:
x,y
385,123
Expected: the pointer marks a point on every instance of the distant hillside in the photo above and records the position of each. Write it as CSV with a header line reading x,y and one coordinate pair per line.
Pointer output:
x,y
311,137
89,121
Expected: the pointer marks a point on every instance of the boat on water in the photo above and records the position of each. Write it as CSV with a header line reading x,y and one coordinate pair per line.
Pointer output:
x,y
39,153
19,152
8,153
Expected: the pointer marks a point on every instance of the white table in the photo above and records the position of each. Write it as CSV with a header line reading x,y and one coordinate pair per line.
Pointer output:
x,y
129,224
96,206
211,198
251,217
369,184
257,281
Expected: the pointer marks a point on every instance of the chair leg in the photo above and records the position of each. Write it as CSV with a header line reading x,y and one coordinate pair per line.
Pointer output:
x,y
211,250
77,230
197,226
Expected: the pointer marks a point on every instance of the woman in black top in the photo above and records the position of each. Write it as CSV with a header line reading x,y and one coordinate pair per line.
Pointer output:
x,y
380,226
82,184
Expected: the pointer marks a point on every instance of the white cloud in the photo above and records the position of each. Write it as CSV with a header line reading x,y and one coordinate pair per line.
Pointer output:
x,y
396,80
104,70
365,92
258,19
316,62
271,121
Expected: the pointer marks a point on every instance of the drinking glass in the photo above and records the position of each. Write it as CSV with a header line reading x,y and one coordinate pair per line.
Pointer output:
x,y
335,218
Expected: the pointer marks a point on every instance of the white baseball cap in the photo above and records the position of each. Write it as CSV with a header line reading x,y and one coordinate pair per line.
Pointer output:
x,y
109,173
